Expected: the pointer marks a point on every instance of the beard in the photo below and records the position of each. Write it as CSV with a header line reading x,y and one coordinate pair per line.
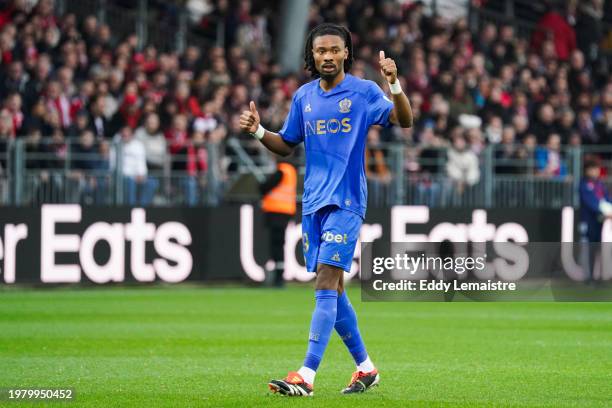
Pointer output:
x,y
329,76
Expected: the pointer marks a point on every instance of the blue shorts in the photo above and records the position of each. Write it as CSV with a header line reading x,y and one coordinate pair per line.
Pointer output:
x,y
329,236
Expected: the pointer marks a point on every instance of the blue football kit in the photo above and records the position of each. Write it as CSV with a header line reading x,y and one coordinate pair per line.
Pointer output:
x,y
592,191
333,126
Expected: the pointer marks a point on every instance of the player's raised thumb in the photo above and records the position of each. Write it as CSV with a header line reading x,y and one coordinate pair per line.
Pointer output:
x,y
252,107
381,54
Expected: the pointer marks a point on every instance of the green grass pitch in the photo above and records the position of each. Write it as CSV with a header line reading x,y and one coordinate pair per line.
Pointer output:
x,y
190,346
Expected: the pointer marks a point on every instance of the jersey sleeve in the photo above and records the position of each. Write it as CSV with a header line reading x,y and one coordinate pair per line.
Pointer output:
x,y
588,198
293,129
379,106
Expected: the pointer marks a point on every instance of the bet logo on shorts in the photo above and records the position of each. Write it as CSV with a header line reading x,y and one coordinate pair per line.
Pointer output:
x,y
338,238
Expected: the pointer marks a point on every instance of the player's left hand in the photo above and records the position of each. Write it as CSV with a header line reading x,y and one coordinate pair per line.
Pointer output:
x,y
388,68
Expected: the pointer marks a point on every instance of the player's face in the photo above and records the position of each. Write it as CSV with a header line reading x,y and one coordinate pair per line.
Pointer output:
x,y
329,53
593,172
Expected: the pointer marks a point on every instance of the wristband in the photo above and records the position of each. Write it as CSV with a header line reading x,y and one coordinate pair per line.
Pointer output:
x,y
259,133
395,87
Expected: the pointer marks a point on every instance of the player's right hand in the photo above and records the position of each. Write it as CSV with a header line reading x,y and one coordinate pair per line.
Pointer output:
x,y
249,120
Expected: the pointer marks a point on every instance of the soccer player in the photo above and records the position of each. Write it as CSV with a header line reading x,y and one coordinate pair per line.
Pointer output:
x,y
332,115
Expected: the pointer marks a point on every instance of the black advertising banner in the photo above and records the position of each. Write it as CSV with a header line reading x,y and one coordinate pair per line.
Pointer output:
x,y
69,243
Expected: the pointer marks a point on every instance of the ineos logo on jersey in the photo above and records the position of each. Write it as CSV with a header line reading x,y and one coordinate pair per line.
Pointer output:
x,y
330,237
323,127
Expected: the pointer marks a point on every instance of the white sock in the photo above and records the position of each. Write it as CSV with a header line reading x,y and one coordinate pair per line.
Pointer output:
x,y
308,374
366,366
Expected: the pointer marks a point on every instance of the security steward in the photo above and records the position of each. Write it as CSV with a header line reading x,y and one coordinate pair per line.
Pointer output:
x,y
279,192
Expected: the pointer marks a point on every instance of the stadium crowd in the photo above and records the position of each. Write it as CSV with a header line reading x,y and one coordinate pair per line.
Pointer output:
x,y
65,81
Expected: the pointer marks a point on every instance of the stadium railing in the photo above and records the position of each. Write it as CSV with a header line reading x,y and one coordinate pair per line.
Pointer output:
x,y
6,171
513,180
43,171
39,170
418,175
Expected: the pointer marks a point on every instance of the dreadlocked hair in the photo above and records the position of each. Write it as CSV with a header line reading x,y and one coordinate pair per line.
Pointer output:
x,y
327,29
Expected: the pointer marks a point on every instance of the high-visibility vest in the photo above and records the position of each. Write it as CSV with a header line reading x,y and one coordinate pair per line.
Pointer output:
x,y
281,199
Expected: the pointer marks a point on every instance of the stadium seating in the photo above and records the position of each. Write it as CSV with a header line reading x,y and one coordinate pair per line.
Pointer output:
x,y
518,106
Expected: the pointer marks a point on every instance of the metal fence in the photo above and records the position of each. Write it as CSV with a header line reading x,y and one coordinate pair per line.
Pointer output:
x,y
103,173
508,176
36,171
6,171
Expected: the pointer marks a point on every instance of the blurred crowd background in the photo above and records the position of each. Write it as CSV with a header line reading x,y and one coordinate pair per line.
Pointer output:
x,y
509,97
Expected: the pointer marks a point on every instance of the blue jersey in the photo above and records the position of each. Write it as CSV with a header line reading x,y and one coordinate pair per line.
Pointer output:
x,y
333,126
592,191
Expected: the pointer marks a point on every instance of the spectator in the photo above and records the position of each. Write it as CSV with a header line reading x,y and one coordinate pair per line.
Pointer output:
x,y
565,125
487,37
154,142
56,150
604,127
527,153
549,161
36,120
439,115
476,140
79,125
35,86
13,108
197,168
461,102
84,153
554,25
520,123
589,27
498,103
14,80
89,168
129,112
98,122
544,124
6,134
462,166
139,189
186,104
35,150
6,126
177,135
58,103
81,99
4,185
494,130
507,153
586,128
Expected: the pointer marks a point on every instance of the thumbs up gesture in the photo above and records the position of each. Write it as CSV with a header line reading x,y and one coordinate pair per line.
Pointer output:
x,y
249,119
387,68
